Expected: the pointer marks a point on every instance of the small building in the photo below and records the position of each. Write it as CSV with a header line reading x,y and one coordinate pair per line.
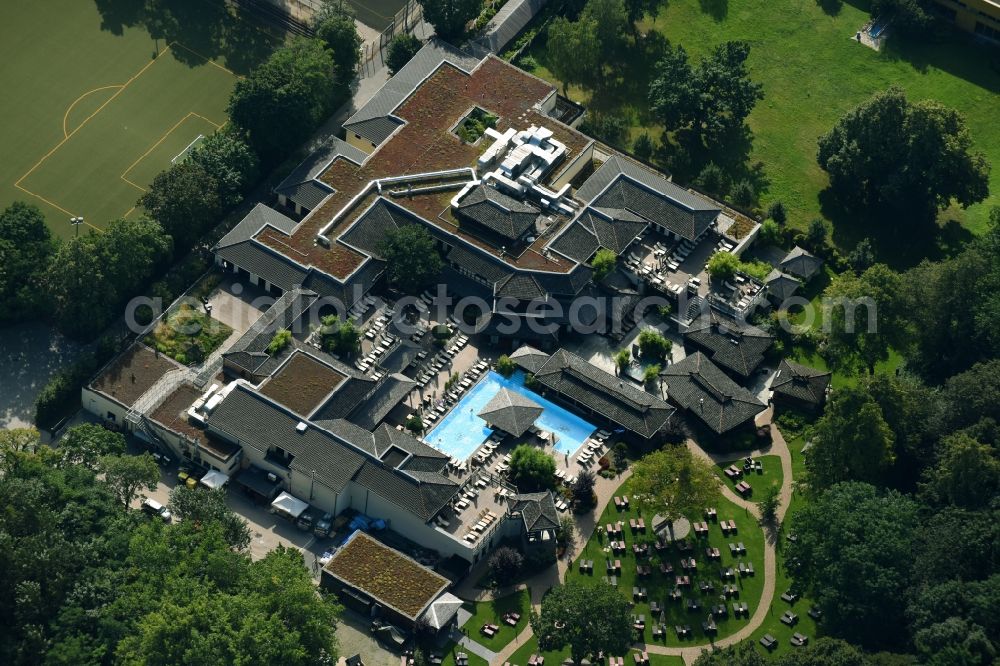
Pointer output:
x,y
539,520
980,17
706,392
378,581
800,386
799,263
781,287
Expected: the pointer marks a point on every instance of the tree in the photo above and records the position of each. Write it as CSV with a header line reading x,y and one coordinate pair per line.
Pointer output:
x,y
770,232
402,48
505,366
896,157
711,100
583,489
340,337
612,22
619,455
909,17
743,194
769,506
335,25
643,147
201,506
952,621
743,653
623,359
412,259
603,263
87,443
967,473
674,483
531,469
852,551
573,51
816,234
636,9
853,341
567,532
279,341
851,441
449,17
415,424
723,265
653,345
777,212
825,651
587,618
284,100
230,163
26,245
651,373
91,276
128,475
862,257
505,565
185,201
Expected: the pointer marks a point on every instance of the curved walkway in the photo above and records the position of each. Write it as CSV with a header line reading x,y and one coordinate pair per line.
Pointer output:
x,y
606,489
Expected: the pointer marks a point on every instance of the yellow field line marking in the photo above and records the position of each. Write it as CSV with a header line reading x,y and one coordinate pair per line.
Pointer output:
x,y
153,147
89,92
54,205
207,59
88,118
214,124
128,212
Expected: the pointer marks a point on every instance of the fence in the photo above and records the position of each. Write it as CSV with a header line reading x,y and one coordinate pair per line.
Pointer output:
x,y
406,20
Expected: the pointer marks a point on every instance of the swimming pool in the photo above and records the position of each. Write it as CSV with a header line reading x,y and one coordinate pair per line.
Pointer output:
x,y
461,431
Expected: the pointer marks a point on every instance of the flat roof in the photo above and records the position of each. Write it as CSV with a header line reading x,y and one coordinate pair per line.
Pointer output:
x,y
172,414
386,575
425,143
132,374
302,383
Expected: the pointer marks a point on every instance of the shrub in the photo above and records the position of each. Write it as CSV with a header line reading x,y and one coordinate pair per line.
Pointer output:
x,y
583,489
505,565
712,180
505,366
531,469
776,211
651,373
402,48
743,194
280,340
770,232
652,344
603,263
608,128
643,147
723,265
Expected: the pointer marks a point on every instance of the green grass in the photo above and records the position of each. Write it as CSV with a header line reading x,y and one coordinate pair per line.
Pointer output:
x,y
812,71
772,624
90,116
658,585
188,334
770,476
449,651
557,657
492,612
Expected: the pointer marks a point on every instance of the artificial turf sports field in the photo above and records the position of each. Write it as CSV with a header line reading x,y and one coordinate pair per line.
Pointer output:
x,y
94,107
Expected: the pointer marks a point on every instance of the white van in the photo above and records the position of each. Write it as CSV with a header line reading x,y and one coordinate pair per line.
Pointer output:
x,y
154,508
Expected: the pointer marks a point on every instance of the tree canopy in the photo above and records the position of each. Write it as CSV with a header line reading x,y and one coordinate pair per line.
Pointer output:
x,y
334,24
531,469
852,551
603,263
285,99
675,483
230,163
898,157
449,17
653,344
402,48
87,582
587,618
412,258
185,199
710,100
26,245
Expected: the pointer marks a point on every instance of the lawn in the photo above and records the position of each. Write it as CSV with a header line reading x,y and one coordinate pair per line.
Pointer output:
x,y
96,107
492,612
759,481
812,71
773,625
449,652
659,585
188,335
521,656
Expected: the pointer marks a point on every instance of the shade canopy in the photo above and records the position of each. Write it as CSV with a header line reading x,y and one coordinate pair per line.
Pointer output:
x,y
289,505
510,411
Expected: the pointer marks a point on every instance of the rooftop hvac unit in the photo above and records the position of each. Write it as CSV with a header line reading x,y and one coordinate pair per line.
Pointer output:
x,y
301,427
272,477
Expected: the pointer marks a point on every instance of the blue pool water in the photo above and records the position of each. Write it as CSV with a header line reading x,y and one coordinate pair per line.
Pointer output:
x,y
461,432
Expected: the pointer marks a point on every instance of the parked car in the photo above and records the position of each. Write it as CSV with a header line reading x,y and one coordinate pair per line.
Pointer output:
x,y
154,508
305,521
323,526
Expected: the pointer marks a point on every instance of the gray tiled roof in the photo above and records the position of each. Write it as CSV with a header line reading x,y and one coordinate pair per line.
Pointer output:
x,y
510,411
520,286
604,394
801,382
800,263
615,228
337,456
477,263
372,120
372,228
250,419
498,212
392,390
265,263
529,359
538,510
509,21
622,183
577,241
781,285
302,185
729,345
249,352
700,387
258,217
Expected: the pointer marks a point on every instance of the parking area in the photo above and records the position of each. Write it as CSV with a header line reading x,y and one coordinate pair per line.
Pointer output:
x,y
238,304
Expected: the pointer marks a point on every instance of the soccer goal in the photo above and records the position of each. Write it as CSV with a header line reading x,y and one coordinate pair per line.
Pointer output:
x,y
179,157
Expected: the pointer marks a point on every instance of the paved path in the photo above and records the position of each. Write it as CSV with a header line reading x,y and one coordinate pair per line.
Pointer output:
x,y
605,490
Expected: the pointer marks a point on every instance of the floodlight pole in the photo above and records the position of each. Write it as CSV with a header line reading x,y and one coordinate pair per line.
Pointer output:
x,y
76,222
